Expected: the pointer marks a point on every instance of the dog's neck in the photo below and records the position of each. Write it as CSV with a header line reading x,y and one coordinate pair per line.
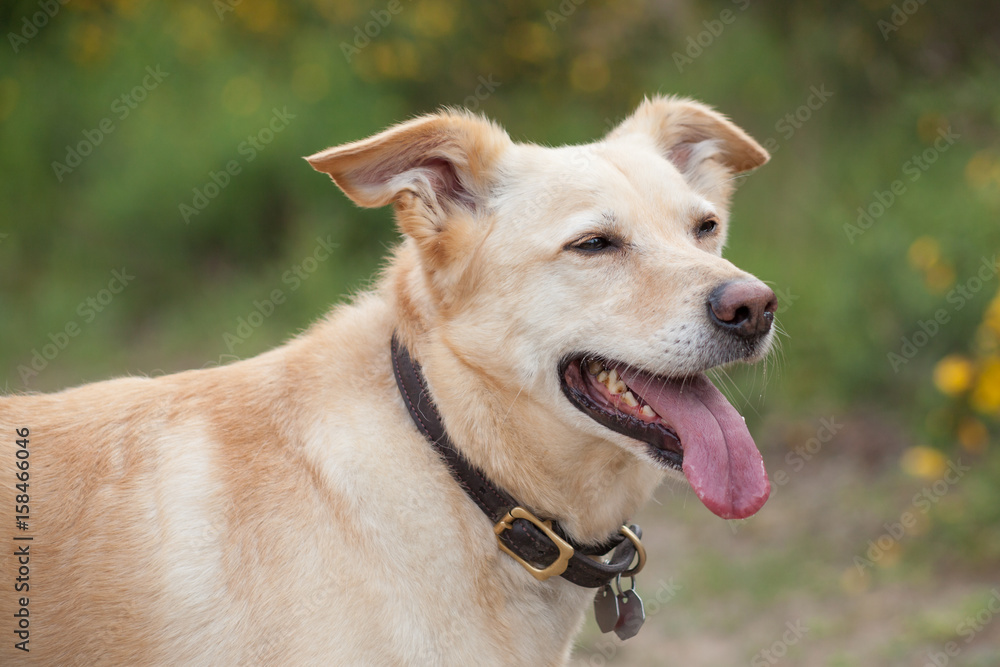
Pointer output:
x,y
590,485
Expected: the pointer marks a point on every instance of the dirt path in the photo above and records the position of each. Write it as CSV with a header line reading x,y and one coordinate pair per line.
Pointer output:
x,y
784,588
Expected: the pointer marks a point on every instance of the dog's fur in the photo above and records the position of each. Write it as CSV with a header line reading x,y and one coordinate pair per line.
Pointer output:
x,y
285,510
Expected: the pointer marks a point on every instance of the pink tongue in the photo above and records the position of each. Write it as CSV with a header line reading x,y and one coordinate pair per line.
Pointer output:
x,y
721,461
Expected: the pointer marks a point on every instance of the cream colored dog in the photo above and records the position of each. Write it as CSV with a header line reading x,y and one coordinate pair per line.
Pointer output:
x,y
285,510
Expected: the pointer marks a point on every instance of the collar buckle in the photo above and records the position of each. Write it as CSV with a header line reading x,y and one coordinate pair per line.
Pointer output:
x,y
558,566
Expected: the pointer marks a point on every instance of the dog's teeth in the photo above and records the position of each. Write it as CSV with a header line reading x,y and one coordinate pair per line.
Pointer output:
x,y
602,377
612,376
629,399
616,387
595,367
647,411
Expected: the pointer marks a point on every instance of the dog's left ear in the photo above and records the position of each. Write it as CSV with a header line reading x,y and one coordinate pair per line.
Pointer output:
x,y
431,168
705,146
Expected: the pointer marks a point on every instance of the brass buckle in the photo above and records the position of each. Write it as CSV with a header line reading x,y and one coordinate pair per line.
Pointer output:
x,y
640,551
565,548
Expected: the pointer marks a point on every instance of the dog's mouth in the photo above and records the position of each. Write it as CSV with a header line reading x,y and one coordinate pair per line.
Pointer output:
x,y
686,423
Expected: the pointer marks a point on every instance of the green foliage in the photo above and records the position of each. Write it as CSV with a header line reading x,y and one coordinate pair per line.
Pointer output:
x,y
334,71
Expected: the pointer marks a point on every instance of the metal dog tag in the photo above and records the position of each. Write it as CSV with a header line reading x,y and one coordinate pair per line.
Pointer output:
x,y
631,615
606,609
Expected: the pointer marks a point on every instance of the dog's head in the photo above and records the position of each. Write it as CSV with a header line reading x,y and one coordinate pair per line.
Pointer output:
x,y
588,279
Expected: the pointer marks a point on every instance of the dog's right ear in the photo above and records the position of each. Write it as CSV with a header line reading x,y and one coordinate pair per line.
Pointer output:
x,y
431,168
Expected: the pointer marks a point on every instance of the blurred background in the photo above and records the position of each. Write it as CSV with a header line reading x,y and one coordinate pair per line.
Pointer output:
x,y
153,199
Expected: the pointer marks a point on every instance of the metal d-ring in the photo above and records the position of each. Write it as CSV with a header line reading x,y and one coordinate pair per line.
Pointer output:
x,y
640,552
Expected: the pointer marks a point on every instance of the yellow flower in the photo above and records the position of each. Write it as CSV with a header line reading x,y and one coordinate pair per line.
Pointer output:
x,y
992,317
90,42
924,462
433,18
972,435
924,253
929,125
386,61
986,395
939,278
529,41
261,16
953,375
589,72
854,581
978,170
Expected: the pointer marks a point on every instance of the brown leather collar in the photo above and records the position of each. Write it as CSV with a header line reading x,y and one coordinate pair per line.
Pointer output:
x,y
542,547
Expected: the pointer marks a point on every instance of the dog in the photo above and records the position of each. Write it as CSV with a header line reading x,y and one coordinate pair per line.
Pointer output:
x,y
542,330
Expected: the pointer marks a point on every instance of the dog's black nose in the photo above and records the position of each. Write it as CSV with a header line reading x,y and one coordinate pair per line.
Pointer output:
x,y
745,308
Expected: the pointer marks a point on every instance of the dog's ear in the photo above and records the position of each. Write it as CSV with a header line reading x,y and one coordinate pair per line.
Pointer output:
x,y
431,168
705,146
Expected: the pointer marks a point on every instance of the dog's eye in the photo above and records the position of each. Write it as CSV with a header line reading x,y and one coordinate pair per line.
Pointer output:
x,y
707,227
593,244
